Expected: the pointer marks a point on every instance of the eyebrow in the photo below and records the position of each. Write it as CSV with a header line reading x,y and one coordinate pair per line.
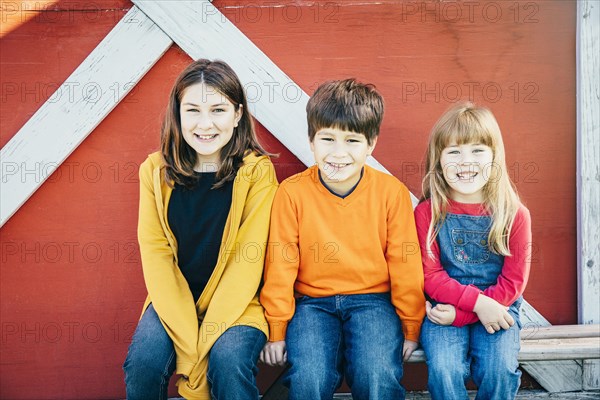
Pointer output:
x,y
474,144
212,105
326,132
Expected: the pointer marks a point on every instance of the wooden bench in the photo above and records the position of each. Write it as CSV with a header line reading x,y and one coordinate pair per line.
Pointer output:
x,y
550,343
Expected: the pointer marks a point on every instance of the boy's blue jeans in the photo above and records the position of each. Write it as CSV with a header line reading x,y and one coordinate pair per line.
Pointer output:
x,y
455,354
359,335
232,362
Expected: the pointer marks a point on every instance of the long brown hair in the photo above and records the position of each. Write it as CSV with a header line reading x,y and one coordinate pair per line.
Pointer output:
x,y
178,157
462,124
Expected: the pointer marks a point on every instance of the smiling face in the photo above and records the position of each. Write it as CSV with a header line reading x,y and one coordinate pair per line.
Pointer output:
x,y
467,169
208,119
340,156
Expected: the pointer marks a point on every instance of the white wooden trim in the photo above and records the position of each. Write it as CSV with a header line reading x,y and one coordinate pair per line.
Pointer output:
x,y
276,101
588,168
77,107
588,159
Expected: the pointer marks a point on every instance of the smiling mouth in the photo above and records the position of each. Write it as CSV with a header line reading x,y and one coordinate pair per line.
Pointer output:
x,y
205,138
466,176
337,165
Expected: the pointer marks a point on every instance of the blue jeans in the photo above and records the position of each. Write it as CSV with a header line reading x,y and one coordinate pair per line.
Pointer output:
x,y
359,335
232,361
455,354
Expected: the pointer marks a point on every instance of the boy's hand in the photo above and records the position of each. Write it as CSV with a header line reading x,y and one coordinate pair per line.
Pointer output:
x,y
409,347
441,314
492,315
274,353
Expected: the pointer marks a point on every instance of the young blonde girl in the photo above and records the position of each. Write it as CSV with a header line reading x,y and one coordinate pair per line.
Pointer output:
x,y
475,235
205,201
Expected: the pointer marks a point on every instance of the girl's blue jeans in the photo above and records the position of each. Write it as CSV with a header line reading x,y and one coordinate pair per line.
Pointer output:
x,y
455,354
232,361
359,335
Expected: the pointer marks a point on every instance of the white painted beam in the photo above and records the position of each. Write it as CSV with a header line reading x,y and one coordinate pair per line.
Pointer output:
x,y
77,107
588,170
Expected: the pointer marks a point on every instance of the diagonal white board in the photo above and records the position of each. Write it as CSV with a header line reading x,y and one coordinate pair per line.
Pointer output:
x,y
77,107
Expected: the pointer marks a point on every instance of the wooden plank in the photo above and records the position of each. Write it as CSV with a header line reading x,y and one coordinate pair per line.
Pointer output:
x,y
561,332
522,395
588,167
588,159
560,349
591,374
546,349
554,376
275,100
120,60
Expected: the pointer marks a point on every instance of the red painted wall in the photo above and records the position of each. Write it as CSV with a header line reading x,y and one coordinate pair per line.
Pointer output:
x,y
71,285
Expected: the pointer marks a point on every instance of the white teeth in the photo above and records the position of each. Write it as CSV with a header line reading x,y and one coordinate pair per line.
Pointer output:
x,y
337,165
206,137
466,175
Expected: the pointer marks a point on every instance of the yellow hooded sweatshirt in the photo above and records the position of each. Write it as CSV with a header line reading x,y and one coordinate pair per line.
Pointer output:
x,y
231,294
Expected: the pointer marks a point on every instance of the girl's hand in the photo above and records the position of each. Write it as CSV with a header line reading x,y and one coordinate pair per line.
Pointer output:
x,y
441,314
409,347
274,353
492,315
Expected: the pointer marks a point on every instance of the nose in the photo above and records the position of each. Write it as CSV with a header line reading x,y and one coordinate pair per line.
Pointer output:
x,y
204,121
339,149
467,158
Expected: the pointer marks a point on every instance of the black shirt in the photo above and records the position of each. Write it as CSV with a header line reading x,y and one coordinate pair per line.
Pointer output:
x,y
197,218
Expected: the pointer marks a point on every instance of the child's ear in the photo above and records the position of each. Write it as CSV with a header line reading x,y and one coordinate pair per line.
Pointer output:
x,y
238,115
372,145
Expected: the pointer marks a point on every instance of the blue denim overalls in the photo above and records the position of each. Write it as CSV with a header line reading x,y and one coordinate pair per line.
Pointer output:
x,y
456,353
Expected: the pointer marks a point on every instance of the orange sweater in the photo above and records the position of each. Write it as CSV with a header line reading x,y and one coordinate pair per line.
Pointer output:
x,y
322,245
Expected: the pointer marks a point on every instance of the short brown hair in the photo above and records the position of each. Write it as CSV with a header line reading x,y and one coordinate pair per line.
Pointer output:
x,y
348,105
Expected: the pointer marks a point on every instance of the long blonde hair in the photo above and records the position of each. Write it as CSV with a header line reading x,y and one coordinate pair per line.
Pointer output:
x,y
462,124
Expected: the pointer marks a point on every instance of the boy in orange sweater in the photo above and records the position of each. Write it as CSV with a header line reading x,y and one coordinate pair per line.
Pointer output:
x,y
343,290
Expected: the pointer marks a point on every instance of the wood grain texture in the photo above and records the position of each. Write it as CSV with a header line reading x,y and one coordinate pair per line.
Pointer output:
x,y
34,153
554,376
588,176
588,148
546,350
561,332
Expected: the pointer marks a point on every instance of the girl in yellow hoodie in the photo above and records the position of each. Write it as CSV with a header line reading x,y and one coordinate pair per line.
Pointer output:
x,y
205,201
